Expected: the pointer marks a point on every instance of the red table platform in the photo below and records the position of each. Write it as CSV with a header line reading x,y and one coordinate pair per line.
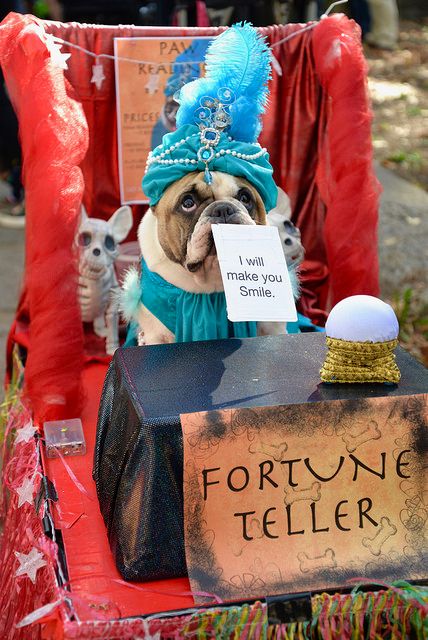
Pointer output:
x,y
90,564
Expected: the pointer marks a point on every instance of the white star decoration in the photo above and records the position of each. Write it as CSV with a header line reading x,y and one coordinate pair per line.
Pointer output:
x,y
57,57
25,492
98,76
29,564
25,433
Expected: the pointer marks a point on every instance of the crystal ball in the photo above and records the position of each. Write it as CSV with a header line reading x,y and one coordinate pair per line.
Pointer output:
x,y
362,319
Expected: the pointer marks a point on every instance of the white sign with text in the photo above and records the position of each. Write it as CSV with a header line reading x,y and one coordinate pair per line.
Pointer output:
x,y
255,275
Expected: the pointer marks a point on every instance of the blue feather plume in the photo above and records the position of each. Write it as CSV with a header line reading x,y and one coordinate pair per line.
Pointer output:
x,y
238,59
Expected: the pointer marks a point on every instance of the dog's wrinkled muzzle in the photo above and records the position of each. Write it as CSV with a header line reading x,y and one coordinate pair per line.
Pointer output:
x,y
201,242
227,213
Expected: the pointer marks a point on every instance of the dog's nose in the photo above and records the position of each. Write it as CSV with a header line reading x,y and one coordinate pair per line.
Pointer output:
x,y
223,210
96,251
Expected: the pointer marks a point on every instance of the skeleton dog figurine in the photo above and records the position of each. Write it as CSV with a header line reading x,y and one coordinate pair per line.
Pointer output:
x,y
290,235
97,241
211,170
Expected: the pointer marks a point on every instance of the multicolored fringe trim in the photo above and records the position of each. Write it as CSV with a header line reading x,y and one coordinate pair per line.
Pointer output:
x,y
393,614
348,361
397,613
247,621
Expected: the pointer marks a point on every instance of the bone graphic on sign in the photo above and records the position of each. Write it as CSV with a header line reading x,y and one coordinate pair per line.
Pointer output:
x,y
275,451
312,493
355,440
326,561
385,531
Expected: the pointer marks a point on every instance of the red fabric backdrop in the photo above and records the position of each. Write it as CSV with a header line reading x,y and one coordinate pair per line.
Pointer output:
x,y
317,129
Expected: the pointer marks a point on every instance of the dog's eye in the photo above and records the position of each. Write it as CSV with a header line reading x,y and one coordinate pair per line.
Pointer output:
x,y
290,228
188,203
85,239
246,198
109,243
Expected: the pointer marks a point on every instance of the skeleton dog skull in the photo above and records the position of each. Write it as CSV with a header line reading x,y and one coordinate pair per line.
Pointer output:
x,y
98,248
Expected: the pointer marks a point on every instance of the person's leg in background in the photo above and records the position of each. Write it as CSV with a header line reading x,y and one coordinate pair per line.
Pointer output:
x,y
384,24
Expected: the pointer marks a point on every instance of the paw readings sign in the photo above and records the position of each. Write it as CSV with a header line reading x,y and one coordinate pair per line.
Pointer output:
x,y
149,71
254,273
305,497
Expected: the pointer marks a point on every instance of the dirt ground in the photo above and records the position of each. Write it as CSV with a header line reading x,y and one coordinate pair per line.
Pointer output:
x,y
398,84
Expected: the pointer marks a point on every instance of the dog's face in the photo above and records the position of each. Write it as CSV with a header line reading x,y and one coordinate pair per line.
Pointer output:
x,y
189,208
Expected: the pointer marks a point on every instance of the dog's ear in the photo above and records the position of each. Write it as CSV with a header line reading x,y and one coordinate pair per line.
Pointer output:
x,y
283,205
120,223
83,214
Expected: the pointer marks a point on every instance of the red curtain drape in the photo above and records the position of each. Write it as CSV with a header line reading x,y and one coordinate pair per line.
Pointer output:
x,y
317,129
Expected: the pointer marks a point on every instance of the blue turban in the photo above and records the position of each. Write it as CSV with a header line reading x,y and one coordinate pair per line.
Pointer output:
x,y
230,157
219,119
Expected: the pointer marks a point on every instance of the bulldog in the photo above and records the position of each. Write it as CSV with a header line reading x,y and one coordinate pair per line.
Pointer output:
x,y
176,241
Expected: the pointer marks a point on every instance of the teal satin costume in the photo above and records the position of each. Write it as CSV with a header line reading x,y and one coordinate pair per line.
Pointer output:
x,y
189,316
195,316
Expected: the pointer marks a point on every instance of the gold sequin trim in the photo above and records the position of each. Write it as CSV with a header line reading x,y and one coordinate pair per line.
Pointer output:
x,y
348,361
